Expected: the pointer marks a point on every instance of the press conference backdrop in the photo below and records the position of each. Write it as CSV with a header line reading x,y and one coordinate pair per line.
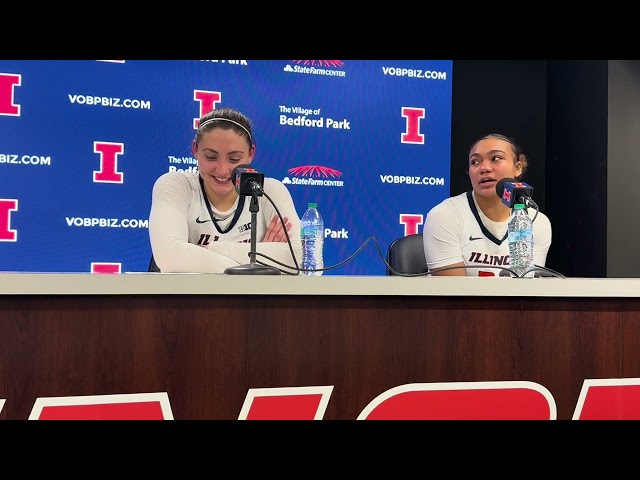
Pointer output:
x,y
83,141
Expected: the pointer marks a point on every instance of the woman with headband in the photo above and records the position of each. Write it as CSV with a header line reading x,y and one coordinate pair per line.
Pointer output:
x,y
198,222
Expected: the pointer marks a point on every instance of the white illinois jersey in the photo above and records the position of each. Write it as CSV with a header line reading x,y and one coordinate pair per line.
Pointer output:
x,y
189,235
457,231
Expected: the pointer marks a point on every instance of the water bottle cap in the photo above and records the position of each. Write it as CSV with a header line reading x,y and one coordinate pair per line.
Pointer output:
x,y
312,205
518,206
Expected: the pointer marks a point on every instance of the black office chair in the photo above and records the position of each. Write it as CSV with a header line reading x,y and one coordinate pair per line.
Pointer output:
x,y
152,265
406,255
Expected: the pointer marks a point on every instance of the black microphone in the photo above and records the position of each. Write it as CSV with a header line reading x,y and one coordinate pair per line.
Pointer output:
x,y
247,180
511,191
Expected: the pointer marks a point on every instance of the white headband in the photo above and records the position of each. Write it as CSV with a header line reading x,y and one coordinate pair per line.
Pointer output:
x,y
226,120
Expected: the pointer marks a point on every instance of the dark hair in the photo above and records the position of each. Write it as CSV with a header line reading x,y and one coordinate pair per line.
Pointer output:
x,y
227,119
520,156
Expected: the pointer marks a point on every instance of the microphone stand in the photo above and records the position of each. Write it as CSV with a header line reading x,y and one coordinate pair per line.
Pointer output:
x,y
252,268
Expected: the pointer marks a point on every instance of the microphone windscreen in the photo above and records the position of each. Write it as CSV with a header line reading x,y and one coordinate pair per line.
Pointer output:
x,y
234,172
500,185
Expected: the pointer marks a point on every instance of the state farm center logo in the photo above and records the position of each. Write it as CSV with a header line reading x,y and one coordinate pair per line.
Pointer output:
x,y
317,67
8,82
314,175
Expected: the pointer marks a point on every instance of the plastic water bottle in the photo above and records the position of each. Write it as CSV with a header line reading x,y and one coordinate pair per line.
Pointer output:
x,y
312,232
520,239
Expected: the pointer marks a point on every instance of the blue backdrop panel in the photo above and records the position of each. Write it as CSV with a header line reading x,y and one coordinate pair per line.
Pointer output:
x,y
82,142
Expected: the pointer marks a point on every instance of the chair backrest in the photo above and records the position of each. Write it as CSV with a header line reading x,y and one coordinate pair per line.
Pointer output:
x,y
153,267
406,255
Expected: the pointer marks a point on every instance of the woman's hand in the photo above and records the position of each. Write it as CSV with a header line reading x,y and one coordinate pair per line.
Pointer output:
x,y
275,232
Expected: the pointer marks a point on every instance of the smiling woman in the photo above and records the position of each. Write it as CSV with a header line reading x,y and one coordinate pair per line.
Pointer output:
x,y
470,229
198,222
